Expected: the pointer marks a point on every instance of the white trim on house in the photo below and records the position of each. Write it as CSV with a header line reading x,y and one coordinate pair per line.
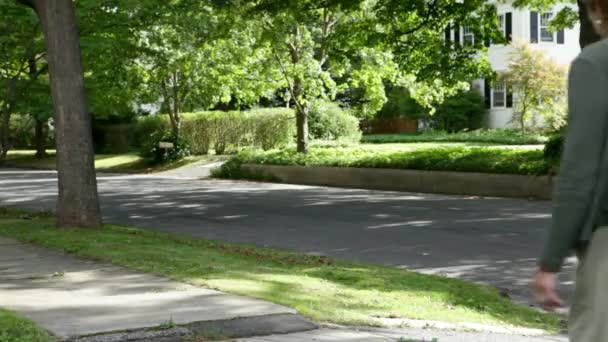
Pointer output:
x,y
499,95
562,50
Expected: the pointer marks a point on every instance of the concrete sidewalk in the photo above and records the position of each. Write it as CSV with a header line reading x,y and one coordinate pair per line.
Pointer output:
x,y
72,298
398,335
86,301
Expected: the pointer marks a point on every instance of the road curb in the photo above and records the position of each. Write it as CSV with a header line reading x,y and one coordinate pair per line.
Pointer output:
x,y
442,182
278,324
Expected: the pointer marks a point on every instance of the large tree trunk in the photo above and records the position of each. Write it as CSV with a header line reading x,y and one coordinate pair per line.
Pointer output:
x,y
587,32
78,204
40,139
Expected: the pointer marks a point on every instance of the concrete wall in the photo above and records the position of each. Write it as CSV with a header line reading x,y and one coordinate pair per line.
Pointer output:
x,y
456,183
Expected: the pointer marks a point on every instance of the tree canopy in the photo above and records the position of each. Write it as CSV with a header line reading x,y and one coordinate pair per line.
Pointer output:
x,y
184,55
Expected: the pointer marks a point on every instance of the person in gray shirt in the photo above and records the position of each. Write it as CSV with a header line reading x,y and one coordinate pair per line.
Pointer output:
x,y
580,214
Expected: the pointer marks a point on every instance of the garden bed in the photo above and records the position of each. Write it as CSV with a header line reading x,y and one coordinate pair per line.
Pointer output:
x,y
495,160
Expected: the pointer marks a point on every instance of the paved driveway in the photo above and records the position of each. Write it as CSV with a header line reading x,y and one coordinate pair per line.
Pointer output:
x,y
481,239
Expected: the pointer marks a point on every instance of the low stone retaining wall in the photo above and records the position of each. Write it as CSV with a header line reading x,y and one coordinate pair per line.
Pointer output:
x,y
455,183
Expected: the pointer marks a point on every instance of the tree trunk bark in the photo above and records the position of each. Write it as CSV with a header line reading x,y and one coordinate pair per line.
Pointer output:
x,y
301,119
587,34
296,92
176,106
302,122
78,204
40,139
4,132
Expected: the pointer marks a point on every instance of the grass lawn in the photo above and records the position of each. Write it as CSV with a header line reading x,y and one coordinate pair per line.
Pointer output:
x,y
497,136
431,145
17,329
318,287
127,162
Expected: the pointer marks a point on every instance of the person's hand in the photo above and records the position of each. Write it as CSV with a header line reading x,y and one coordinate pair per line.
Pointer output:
x,y
545,284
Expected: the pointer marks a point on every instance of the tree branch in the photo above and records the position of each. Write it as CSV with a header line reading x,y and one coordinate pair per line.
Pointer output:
x,y
289,85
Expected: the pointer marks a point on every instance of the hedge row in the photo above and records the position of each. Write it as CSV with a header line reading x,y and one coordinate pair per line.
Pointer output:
x,y
226,131
460,159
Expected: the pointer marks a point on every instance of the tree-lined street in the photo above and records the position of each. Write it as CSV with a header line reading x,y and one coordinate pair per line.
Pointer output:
x,y
481,239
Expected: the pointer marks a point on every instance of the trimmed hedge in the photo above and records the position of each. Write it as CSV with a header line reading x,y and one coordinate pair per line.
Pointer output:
x,y
460,159
226,132
488,136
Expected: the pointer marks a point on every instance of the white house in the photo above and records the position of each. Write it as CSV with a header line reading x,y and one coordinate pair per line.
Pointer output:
x,y
519,24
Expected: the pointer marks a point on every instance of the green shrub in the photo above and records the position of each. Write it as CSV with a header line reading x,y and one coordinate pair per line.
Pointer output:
x,y
197,133
222,131
113,138
463,111
399,103
462,159
328,121
152,151
554,147
486,136
226,132
146,126
23,133
272,127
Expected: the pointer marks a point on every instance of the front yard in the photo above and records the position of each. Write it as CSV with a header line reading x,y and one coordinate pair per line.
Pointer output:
x,y
320,288
121,163
14,328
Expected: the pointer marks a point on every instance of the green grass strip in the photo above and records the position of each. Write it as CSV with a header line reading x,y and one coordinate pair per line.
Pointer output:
x,y
14,328
503,137
320,288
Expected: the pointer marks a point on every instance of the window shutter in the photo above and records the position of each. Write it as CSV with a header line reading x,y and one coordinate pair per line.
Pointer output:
x,y
457,34
560,37
448,34
509,27
487,93
509,97
487,39
533,27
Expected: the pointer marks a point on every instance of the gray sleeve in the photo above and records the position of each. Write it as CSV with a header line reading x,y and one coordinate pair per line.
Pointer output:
x,y
585,140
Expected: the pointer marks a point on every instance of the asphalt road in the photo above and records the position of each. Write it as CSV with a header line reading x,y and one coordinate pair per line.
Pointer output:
x,y
489,240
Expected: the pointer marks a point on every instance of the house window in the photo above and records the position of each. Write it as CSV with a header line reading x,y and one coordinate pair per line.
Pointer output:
x,y
546,35
468,36
502,25
499,95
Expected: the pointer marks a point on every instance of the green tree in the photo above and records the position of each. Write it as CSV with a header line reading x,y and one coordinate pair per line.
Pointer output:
x,y
78,204
325,48
539,83
198,57
22,63
463,111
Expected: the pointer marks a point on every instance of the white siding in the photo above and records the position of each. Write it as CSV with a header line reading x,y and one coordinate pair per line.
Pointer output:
x,y
499,54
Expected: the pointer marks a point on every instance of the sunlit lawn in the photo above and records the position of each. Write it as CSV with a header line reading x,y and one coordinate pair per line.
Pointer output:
x,y
127,162
18,329
319,288
420,146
